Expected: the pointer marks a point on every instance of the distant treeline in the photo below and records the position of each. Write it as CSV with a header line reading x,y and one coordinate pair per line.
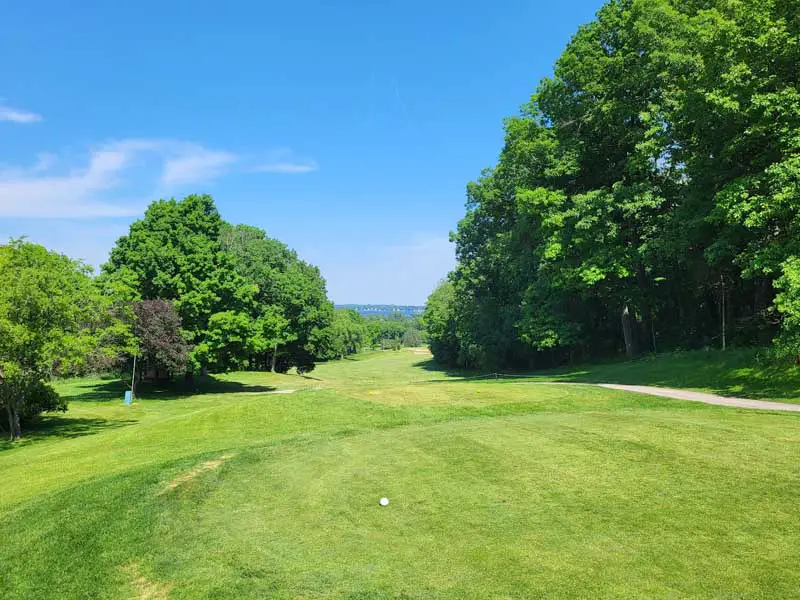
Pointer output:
x,y
351,332
646,198
385,310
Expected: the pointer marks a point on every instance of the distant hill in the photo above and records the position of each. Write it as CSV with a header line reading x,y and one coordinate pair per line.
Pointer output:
x,y
384,310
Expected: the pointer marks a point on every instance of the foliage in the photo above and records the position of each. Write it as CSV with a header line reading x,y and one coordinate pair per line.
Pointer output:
x,y
412,338
439,320
157,327
36,395
347,334
350,333
787,303
244,300
51,320
290,305
646,196
385,331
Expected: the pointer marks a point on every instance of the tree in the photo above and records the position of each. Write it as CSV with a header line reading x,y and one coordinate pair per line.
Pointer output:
x,y
412,338
787,303
159,336
244,299
347,334
290,305
174,254
644,197
439,320
48,320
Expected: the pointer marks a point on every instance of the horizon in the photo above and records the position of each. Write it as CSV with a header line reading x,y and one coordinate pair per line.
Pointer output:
x,y
348,132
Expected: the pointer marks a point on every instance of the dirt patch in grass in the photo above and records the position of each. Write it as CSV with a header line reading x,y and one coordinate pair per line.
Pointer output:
x,y
203,467
147,589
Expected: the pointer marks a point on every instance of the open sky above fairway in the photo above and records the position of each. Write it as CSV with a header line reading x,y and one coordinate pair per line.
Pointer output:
x,y
347,130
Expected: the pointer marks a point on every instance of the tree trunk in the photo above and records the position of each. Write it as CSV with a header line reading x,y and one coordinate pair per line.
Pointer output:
x,y
10,421
628,333
13,420
724,309
274,358
648,326
17,426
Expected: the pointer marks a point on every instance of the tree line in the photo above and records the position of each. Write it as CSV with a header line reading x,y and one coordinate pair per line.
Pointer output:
x,y
351,332
647,197
184,292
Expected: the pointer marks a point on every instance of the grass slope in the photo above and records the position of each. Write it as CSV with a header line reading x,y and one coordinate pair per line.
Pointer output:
x,y
497,490
741,373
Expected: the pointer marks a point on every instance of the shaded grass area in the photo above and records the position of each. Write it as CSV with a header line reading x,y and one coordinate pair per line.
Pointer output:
x,y
113,389
496,490
744,373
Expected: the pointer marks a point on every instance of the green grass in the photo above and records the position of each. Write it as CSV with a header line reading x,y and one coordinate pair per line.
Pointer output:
x,y
497,490
745,373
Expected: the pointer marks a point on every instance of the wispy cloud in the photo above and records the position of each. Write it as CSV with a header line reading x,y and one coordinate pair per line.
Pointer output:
x,y
284,161
97,184
16,115
29,193
194,164
287,167
93,189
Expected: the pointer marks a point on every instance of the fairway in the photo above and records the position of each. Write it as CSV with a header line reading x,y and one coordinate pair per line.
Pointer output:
x,y
497,490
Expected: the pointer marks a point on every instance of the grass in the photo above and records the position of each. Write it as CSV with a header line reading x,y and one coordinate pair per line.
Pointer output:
x,y
744,373
497,490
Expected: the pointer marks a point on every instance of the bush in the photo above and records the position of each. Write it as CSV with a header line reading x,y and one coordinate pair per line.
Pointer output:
x,y
411,338
31,395
390,344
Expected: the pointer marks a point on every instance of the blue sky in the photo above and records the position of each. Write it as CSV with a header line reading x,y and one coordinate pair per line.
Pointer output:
x,y
346,129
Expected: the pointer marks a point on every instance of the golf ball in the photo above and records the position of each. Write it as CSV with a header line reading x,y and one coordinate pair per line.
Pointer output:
x,y
384,502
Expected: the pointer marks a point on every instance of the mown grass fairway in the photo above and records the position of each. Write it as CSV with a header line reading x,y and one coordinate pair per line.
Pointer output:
x,y
498,490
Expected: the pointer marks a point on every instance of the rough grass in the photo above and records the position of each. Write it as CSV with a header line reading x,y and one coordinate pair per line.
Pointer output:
x,y
745,373
497,491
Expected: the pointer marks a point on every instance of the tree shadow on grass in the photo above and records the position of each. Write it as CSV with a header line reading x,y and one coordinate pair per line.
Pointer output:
x,y
740,373
441,373
114,390
60,427
304,376
747,373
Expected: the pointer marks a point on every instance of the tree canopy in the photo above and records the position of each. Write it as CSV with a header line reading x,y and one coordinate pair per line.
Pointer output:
x,y
244,300
52,321
646,197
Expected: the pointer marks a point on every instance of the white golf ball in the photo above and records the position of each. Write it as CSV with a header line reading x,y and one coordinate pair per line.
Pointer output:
x,y
384,502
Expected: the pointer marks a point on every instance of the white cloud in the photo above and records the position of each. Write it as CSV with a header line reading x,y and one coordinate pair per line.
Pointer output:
x,y
93,190
96,186
283,160
16,115
287,167
195,163
29,193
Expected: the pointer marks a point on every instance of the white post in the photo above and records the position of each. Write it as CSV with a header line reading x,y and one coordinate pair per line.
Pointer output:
x,y
133,377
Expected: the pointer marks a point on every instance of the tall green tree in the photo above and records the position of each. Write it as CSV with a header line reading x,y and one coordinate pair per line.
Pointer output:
x,y
174,254
291,305
51,320
646,196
